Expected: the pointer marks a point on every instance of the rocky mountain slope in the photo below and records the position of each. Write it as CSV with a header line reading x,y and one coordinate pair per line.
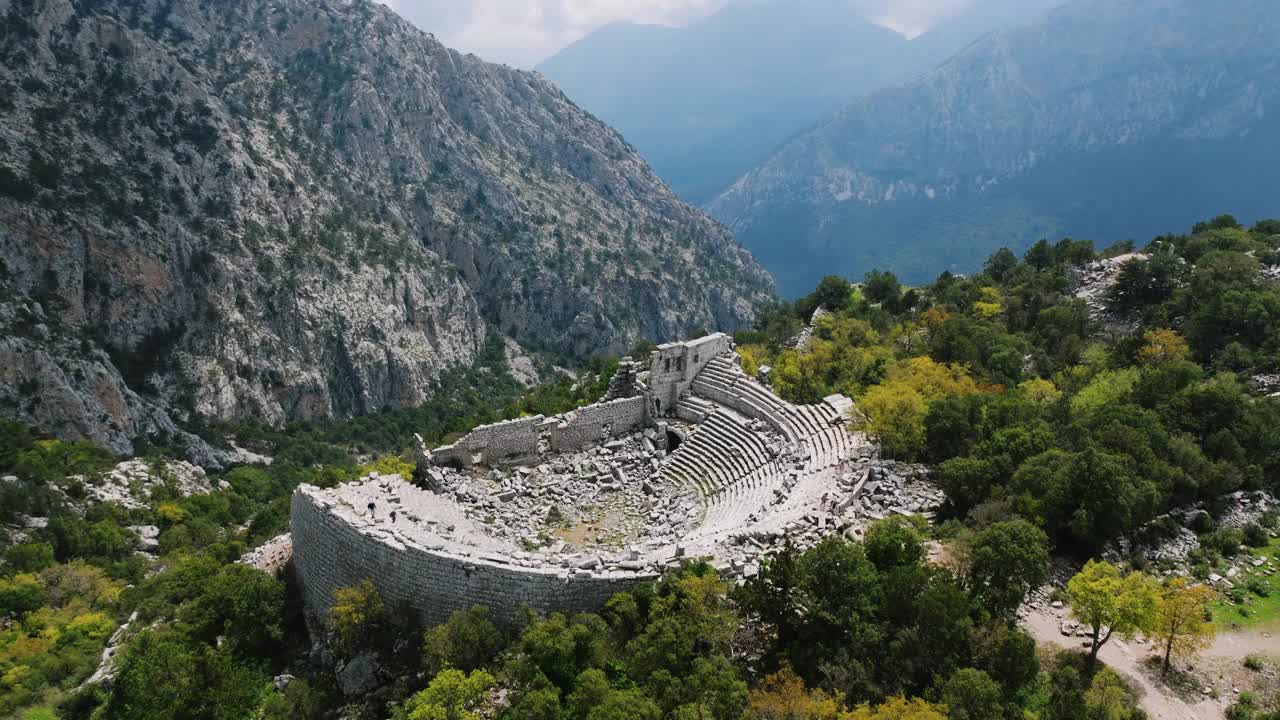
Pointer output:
x,y
705,103
1112,120
293,209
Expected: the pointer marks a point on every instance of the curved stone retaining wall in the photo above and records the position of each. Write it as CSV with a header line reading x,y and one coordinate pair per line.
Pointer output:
x,y
330,552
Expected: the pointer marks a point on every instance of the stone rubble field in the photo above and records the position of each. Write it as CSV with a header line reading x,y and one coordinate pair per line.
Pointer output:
x,y
634,522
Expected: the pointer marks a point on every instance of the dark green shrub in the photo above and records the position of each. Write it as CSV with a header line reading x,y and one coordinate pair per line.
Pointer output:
x,y
1258,587
1226,541
29,557
1255,535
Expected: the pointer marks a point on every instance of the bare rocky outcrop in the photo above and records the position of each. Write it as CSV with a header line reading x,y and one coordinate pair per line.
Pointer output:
x,y
1170,539
131,483
308,208
106,672
1267,384
271,557
1094,281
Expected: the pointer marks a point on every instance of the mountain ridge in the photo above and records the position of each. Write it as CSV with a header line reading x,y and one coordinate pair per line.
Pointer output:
x,y
976,133
705,102
296,210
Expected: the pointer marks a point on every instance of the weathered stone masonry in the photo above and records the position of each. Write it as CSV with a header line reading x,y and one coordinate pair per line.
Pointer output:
x,y
674,366
512,441
330,552
516,441
598,423
749,471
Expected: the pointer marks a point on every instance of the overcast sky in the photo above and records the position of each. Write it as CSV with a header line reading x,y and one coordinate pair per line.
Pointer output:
x,y
524,32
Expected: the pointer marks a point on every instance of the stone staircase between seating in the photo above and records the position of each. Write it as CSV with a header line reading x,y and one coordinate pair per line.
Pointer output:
x,y
728,463
815,427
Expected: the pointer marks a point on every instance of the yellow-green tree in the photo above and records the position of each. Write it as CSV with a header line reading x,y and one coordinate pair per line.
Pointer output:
x,y
1107,388
451,695
753,356
844,355
845,331
894,411
1162,347
355,611
1110,604
895,417
389,465
1108,697
1040,391
1180,624
20,595
898,708
990,304
932,379
805,377
783,696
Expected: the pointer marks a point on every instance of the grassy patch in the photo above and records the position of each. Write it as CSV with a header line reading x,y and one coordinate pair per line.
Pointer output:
x,y
1256,610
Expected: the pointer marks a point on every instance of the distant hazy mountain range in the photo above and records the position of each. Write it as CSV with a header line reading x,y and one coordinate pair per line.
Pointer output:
x,y
1107,120
705,103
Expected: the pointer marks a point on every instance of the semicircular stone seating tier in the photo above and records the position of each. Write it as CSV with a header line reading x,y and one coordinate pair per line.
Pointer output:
x,y
729,464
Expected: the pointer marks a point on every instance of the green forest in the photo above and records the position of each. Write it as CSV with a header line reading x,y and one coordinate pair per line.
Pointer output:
x,y
1027,404
1055,427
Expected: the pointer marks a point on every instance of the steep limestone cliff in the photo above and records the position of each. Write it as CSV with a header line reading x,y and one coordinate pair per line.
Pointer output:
x,y
296,209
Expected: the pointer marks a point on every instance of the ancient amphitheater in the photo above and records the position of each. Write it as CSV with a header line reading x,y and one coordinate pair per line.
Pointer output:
x,y
687,458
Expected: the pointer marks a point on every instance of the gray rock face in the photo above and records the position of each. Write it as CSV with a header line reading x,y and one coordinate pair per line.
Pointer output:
x,y
359,675
308,208
131,483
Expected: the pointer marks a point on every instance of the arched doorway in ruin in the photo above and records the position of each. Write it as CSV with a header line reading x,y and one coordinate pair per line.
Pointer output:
x,y
674,439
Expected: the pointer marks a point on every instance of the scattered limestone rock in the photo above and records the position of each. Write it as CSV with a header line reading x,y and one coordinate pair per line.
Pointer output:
x,y
106,671
272,556
148,537
130,483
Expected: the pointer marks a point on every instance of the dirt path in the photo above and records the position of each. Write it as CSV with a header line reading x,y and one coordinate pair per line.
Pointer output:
x,y
1238,645
1126,658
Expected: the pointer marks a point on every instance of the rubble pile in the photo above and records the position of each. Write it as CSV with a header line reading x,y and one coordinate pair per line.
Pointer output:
x,y
615,487
898,489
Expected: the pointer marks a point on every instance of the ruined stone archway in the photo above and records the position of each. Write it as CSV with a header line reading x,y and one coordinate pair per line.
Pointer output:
x,y
673,440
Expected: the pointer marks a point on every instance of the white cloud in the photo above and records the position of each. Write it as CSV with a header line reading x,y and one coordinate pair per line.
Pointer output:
x,y
524,32
910,17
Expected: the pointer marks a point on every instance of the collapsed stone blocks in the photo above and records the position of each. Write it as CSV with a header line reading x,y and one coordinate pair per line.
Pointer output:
x,y
689,459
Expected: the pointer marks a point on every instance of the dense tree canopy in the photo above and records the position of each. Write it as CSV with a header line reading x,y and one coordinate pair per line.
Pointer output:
x,y
1087,421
